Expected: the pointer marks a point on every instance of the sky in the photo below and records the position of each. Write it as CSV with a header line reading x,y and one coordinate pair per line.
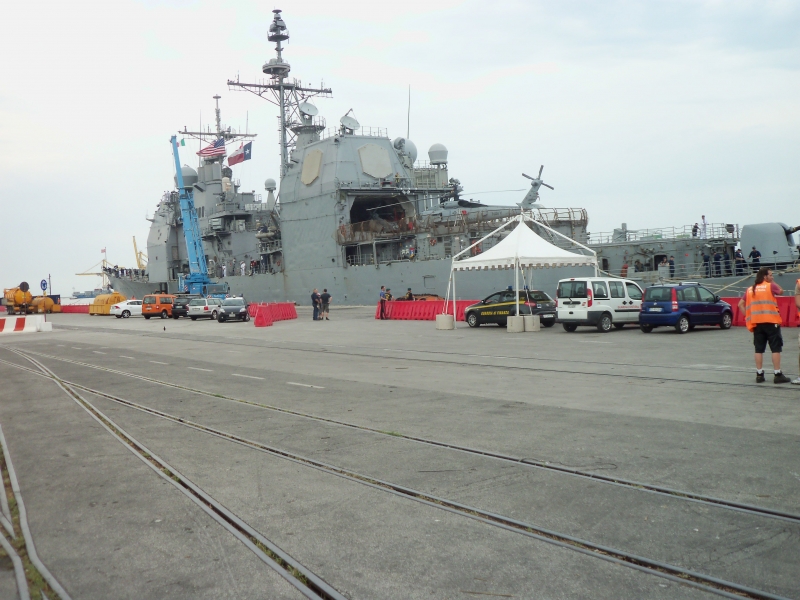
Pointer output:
x,y
648,113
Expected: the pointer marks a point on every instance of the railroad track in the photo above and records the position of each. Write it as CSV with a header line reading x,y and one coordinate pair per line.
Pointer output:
x,y
506,458
674,573
532,364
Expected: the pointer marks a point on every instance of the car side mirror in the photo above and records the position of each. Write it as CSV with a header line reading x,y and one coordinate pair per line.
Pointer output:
x,y
716,298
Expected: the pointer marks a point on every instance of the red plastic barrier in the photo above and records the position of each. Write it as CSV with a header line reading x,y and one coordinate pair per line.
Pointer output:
x,y
273,311
2,309
75,308
263,316
422,310
786,305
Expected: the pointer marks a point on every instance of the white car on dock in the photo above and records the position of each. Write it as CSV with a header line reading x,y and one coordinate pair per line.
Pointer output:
x,y
129,308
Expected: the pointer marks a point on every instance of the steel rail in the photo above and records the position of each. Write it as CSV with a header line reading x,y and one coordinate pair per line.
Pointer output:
x,y
311,586
370,353
537,464
707,583
23,524
19,569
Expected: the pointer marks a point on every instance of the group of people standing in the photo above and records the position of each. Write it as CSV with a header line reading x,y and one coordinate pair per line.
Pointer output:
x,y
385,296
321,304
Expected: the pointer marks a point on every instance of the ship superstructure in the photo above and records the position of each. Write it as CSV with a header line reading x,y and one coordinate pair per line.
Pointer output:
x,y
356,209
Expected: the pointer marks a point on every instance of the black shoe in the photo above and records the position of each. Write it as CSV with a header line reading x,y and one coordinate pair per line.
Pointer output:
x,y
760,378
327,319
781,378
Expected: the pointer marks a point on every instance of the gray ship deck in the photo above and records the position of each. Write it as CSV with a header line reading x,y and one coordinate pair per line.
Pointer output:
x,y
389,460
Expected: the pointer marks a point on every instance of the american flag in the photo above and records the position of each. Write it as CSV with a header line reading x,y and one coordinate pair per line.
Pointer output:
x,y
215,149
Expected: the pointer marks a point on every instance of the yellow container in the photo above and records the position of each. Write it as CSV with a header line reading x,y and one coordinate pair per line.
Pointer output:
x,y
42,304
102,304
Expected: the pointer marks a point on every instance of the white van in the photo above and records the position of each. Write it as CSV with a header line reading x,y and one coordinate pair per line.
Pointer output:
x,y
601,302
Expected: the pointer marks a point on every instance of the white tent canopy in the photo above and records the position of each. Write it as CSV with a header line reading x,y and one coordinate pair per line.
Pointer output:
x,y
520,249
524,249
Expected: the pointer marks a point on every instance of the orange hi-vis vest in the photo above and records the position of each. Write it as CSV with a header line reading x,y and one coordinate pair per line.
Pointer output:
x,y
761,306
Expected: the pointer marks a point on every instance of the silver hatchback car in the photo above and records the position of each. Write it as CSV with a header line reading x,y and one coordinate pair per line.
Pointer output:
x,y
204,308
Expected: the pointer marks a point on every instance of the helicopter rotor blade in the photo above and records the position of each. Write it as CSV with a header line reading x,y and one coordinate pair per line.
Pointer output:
x,y
540,171
550,186
528,176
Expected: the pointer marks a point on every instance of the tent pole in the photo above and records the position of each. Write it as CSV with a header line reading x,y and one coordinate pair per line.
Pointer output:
x,y
454,299
516,282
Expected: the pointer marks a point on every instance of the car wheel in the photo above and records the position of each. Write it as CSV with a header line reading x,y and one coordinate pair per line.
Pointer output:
x,y
175,317
126,314
727,321
147,317
619,325
605,323
220,319
118,316
472,320
682,326
164,314
193,318
214,315
246,318
646,328
570,327
548,324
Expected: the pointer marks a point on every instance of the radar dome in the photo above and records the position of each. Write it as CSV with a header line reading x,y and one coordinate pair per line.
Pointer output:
x,y
438,154
189,177
270,185
407,147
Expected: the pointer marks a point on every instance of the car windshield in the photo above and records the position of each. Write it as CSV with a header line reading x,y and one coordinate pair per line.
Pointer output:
x,y
197,302
233,302
658,294
572,289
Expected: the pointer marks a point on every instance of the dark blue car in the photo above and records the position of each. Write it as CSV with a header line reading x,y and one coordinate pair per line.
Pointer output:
x,y
683,307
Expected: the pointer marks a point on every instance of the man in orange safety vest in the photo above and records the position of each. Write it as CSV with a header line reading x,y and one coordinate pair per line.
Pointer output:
x,y
764,319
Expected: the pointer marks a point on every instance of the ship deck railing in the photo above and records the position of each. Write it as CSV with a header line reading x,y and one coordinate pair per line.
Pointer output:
x,y
714,231
363,131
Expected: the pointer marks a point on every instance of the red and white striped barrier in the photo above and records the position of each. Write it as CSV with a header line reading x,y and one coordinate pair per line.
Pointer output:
x,y
27,324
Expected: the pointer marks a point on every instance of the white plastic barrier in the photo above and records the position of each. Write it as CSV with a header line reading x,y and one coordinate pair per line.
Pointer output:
x,y
516,324
27,324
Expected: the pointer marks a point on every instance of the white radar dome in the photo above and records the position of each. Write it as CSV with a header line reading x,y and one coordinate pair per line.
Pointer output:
x,y
270,185
438,154
406,146
189,177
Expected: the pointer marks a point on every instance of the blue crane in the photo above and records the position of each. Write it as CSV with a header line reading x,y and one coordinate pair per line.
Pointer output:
x,y
197,281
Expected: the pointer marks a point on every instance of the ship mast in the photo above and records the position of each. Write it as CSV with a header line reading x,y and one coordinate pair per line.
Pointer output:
x,y
287,95
221,132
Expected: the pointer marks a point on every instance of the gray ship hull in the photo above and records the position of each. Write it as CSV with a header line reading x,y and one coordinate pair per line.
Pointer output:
x,y
358,286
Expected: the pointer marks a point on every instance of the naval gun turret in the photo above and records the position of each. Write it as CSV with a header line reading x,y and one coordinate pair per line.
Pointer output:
x,y
775,241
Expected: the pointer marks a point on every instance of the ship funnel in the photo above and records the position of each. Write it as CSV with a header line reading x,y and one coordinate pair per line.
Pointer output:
x,y
438,154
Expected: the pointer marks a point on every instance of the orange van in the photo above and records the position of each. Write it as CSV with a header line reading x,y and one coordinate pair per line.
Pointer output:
x,y
157,305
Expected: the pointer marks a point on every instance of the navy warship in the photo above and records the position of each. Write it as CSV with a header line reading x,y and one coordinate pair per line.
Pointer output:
x,y
356,209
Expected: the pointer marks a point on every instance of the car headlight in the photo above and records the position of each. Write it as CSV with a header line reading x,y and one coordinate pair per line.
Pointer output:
x,y
242,309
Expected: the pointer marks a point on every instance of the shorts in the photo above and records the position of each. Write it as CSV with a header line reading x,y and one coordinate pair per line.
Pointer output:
x,y
767,333
325,306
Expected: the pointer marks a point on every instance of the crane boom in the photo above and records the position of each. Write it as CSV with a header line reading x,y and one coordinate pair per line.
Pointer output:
x,y
197,282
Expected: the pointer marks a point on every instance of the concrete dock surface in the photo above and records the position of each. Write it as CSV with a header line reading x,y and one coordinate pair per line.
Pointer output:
x,y
386,459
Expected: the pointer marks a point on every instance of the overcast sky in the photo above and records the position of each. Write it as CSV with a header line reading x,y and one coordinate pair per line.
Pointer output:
x,y
649,113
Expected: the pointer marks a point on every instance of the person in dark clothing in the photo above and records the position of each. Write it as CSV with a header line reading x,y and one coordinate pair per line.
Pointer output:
x,y
316,301
409,295
672,267
728,264
755,259
707,263
717,264
383,302
740,262
695,230
325,300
